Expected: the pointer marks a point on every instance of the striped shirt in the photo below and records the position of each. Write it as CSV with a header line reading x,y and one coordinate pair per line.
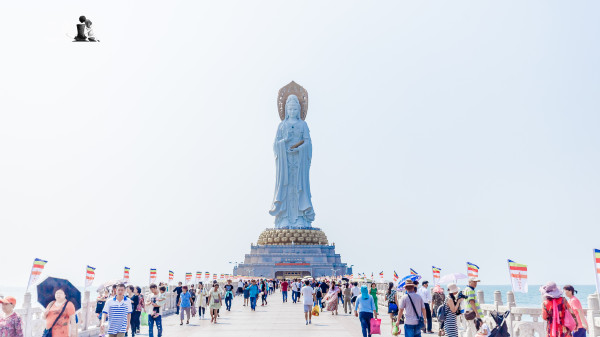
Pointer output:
x,y
117,314
471,296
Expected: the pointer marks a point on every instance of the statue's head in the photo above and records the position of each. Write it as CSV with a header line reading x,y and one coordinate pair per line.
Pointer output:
x,y
292,107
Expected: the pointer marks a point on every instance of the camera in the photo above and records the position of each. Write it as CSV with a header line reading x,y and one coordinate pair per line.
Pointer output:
x,y
461,295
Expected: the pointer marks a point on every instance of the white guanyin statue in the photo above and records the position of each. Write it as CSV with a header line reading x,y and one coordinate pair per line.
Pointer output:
x,y
292,206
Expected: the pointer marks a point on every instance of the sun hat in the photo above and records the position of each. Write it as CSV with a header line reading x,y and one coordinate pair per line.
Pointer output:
x,y
550,290
438,289
409,283
453,288
474,279
9,299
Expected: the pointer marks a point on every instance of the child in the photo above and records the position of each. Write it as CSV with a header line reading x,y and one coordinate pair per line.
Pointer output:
x,y
482,329
89,32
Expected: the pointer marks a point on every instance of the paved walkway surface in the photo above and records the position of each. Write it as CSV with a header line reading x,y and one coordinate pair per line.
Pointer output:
x,y
277,319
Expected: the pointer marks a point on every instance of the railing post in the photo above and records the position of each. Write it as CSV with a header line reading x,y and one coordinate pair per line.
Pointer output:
x,y
28,319
86,310
593,310
480,297
510,301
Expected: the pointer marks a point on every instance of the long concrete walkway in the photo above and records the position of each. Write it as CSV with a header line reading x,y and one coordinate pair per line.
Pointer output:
x,y
277,319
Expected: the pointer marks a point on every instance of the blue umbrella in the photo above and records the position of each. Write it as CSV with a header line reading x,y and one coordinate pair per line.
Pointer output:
x,y
413,278
48,287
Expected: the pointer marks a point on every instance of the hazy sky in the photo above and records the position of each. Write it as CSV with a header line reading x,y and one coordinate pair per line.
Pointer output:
x,y
443,132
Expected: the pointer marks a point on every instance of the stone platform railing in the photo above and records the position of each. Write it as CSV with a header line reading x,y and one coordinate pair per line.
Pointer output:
x,y
88,323
522,321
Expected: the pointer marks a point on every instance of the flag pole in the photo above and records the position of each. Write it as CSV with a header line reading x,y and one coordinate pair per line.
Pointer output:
x,y
512,286
596,273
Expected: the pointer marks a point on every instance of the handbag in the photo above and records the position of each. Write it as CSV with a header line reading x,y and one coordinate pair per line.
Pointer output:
x,y
470,315
375,326
48,332
570,322
421,324
393,307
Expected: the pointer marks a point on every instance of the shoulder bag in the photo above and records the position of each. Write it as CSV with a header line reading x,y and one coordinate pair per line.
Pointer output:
x,y
48,332
421,324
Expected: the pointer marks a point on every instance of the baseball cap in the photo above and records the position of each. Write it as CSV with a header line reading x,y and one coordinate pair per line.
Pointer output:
x,y
9,299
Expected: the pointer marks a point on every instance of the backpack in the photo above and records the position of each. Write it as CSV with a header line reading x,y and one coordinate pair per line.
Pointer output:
x,y
441,313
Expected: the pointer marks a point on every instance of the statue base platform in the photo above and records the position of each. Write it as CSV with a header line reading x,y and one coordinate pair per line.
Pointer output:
x,y
292,253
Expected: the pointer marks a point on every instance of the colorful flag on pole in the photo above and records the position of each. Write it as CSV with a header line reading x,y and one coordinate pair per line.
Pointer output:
x,y
198,275
152,275
206,275
221,276
518,276
472,270
436,274
126,274
396,277
597,268
188,277
171,276
90,274
214,276
36,271
413,272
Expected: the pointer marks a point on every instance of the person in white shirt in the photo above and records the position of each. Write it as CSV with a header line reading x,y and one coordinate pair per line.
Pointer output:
x,y
309,298
294,291
425,294
355,292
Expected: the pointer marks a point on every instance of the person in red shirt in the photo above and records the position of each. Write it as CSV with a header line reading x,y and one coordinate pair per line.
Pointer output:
x,y
284,290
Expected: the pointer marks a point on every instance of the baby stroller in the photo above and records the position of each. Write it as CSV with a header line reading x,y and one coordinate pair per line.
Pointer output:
x,y
500,330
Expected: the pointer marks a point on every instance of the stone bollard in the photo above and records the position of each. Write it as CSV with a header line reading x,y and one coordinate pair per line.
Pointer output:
x,y
510,301
497,299
480,297
85,307
28,317
592,312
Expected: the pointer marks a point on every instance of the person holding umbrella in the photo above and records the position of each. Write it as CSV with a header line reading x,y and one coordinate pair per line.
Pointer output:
x,y
60,315
10,322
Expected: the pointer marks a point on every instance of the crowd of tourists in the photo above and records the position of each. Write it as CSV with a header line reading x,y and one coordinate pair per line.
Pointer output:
x,y
121,309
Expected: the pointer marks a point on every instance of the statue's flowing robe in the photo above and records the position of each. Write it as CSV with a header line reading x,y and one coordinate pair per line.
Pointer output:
x,y
292,204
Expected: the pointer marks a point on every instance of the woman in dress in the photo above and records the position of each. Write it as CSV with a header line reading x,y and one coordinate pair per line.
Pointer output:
x,y
332,298
10,322
215,303
374,294
201,295
66,321
452,309
392,300
555,310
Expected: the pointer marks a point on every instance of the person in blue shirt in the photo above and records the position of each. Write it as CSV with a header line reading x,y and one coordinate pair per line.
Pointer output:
x,y
253,292
185,303
367,310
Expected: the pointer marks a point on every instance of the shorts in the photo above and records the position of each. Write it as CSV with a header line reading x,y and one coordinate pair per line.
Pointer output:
x,y
307,307
246,295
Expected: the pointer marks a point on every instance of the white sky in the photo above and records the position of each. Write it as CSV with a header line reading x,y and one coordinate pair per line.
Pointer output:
x,y
433,123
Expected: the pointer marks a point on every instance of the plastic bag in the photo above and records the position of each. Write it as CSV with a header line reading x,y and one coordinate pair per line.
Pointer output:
x,y
395,329
375,326
315,310
144,319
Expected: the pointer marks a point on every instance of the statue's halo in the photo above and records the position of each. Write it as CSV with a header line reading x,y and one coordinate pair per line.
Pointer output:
x,y
292,88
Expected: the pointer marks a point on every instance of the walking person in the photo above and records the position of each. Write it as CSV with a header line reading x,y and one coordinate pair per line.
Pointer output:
x,y
201,295
118,309
374,294
355,292
11,324
284,290
555,310
347,299
60,316
215,303
413,308
252,293
439,300
246,294
134,296
155,303
178,290
228,295
332,298
192,292
365,310
308,301
185,304
582,324
472,308
263,291
425,294
392,300
452,311
240,289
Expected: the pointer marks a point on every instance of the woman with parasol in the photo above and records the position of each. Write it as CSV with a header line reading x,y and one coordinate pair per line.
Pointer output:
x,y
60,316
